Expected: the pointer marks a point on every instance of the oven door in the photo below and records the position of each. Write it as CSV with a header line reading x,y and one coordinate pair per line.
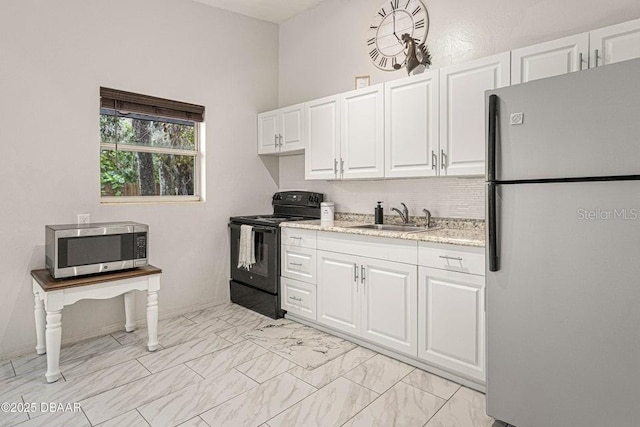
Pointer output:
x,y
264,273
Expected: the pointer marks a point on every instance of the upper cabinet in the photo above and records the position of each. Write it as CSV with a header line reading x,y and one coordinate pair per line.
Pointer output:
x,y
462,115
361,133
550,59
280,131
615,43
574,53
411,117
322,131
432,124
345,135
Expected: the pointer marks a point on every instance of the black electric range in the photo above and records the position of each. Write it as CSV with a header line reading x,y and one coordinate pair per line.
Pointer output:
x,y
258,288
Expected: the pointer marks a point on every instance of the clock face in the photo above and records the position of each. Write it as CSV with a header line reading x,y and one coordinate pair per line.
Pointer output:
x,y
384,37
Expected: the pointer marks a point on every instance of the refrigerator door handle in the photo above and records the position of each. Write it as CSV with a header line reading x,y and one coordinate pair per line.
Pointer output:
x,y
493,228
491,137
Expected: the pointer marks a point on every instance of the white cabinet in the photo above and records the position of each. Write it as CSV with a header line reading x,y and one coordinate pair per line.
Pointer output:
x,y
615,43
370,298
298,297
578,52
280,131
361,133
451,321
322,131
345,135
268,132
338,298
462,115
561,56
389,304
411,126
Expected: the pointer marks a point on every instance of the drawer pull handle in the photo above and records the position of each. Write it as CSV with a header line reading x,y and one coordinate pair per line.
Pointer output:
x,y
296,299
296,238
455,258
297,264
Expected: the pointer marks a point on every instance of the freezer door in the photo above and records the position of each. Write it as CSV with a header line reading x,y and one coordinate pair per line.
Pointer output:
x,y
583,124
563,311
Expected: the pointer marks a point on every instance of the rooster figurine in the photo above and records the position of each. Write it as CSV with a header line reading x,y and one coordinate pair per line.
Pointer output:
x,y
418,58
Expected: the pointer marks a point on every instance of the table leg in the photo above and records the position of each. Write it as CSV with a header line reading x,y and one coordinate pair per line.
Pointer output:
x,y
129,311
54,339
40,324
152,319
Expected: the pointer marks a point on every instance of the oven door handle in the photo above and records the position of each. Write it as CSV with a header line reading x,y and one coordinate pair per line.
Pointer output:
x,y
256,228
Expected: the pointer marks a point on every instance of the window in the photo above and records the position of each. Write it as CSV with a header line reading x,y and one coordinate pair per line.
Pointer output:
x,y
150,148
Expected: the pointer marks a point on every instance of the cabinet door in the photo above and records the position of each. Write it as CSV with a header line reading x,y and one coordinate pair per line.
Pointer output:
x,y
550,59
290,128
462,116
615,43
361,136
322,131
451,321
389,304
411,126
337,291
268,132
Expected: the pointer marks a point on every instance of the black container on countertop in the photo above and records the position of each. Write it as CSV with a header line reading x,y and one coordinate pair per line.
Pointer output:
x,y
379,213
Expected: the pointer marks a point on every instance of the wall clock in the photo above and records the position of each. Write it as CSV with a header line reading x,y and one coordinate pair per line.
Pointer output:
x,y
384,37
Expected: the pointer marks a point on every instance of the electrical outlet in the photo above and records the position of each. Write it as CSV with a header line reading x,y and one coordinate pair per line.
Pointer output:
x,y
84,219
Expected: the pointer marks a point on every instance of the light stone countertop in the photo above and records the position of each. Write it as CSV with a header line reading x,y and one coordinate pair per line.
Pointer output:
x,y
450,236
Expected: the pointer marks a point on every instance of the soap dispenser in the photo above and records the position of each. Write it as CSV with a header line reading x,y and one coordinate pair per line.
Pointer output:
x,y
379,214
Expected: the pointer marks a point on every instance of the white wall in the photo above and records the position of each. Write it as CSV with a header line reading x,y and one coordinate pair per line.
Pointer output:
x,y
55,56
323,49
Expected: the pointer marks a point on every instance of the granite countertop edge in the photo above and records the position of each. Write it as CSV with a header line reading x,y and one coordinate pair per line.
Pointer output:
x,y
449,236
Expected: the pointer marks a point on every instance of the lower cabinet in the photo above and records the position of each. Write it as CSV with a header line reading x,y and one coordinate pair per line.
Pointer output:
x,y
338,296
298,297
451,321
370,298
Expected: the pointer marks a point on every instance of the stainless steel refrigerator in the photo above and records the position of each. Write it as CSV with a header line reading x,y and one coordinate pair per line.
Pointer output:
x,y
563,250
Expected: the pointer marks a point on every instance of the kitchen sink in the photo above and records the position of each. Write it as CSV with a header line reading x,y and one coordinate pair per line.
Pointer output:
x,y
393,227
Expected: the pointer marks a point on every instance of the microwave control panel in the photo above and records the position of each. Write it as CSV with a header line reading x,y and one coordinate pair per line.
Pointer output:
x,y
141,245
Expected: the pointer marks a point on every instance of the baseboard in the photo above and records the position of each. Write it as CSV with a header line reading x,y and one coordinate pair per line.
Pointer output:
x,y
109,329
399,356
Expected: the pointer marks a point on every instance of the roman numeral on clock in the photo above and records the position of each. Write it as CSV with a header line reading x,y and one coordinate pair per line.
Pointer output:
x,y
383,61
416,11
373,27
374,54
371,42
419,24
382,12
394,4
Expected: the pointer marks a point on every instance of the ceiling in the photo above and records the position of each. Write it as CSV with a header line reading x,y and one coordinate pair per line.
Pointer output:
x,y
276,11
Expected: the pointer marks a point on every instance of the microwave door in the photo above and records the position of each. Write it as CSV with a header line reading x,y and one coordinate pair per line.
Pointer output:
x,y
90,254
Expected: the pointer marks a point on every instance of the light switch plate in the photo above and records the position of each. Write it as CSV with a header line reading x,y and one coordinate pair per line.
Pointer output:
x,y
84,219
517,118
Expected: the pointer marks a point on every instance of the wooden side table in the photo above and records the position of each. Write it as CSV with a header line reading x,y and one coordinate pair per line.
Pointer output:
x,y
52,295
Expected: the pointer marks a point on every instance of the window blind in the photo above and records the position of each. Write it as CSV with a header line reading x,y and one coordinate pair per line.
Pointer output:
x,y
130,102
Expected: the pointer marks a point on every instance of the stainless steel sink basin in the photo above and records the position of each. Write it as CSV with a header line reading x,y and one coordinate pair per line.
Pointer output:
x,y
392,227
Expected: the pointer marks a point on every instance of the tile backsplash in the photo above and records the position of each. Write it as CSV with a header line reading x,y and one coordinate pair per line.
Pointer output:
x,y
444,197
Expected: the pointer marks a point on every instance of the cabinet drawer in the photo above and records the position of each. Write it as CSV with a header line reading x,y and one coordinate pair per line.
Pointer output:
x,y
298,237
389,249
298,298
298,263
453,258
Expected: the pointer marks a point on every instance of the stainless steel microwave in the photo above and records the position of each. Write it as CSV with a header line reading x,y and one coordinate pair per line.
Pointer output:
x,y
76,250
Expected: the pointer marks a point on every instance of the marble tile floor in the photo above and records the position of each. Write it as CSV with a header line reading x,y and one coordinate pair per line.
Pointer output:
x,y
228,366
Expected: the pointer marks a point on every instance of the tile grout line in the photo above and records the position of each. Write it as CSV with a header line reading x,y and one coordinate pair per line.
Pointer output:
x,y
85,415
145,420
13,368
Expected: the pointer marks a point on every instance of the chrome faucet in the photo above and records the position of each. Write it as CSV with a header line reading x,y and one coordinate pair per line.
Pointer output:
x,y
403,215
427,214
